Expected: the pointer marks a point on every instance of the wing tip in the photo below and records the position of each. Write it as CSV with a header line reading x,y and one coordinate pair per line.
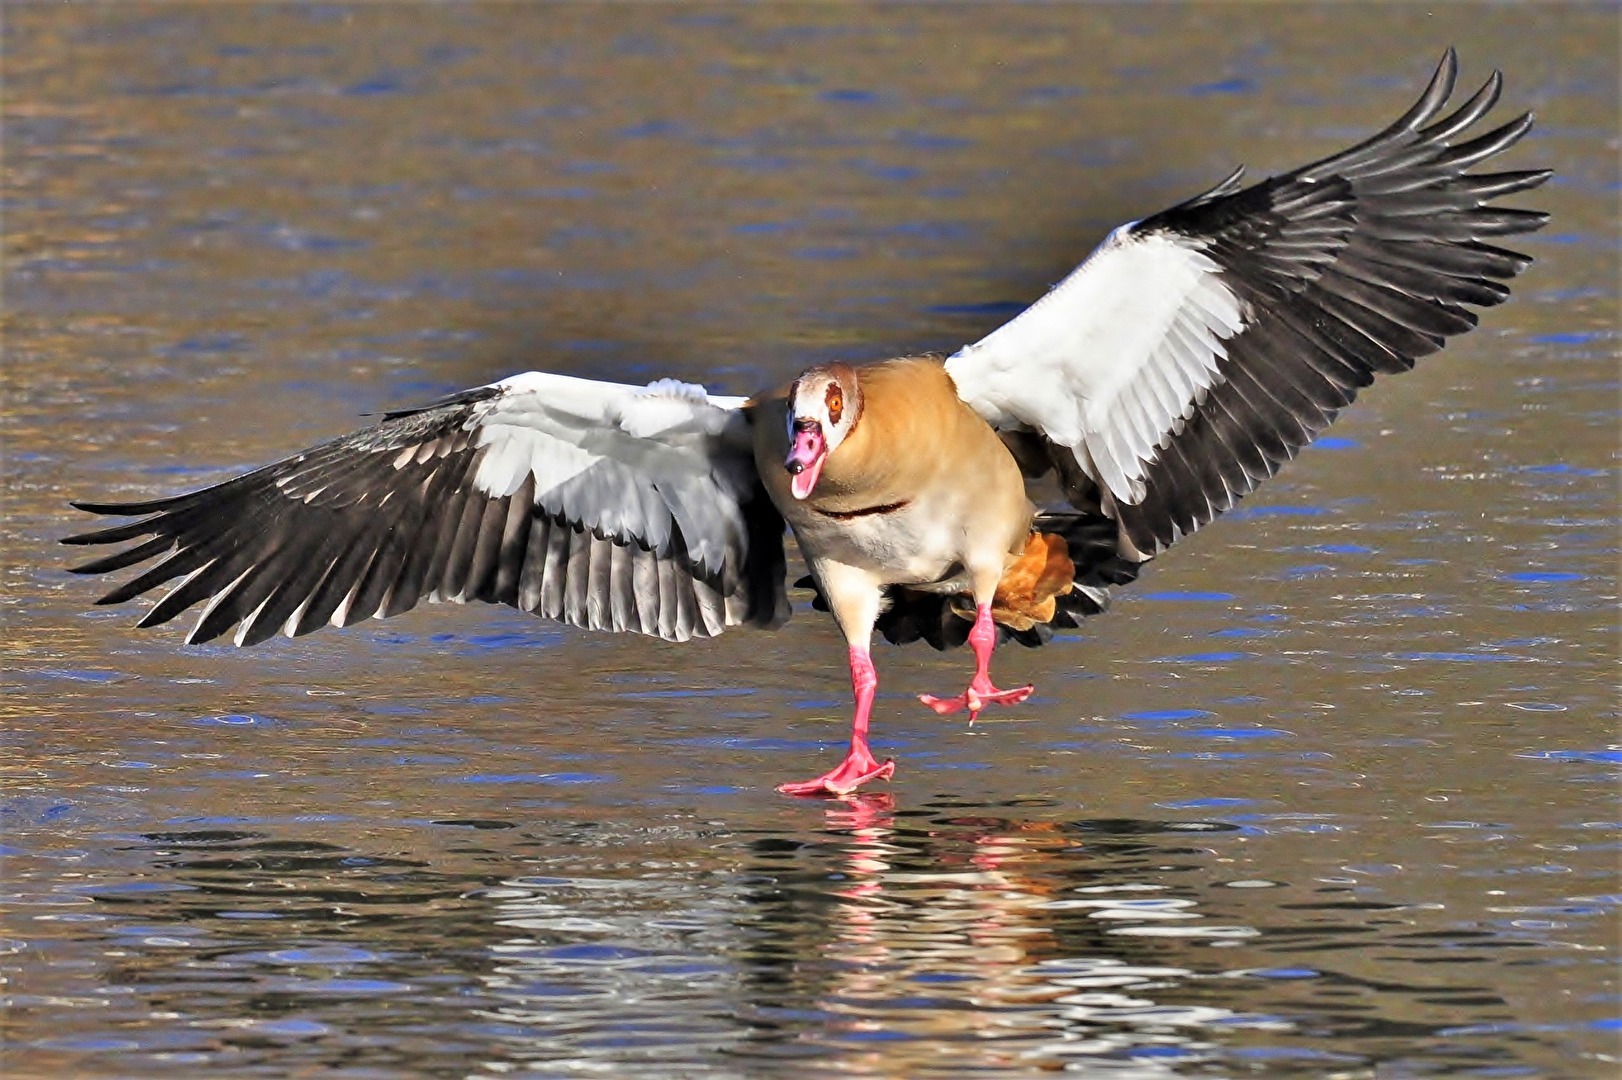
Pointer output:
x,y
122,509
97,536
1449,63
1437,91
1535,178
471,396
1226,186
156,617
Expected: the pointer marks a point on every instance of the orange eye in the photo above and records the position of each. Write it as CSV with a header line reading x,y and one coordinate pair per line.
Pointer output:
x,y
835,402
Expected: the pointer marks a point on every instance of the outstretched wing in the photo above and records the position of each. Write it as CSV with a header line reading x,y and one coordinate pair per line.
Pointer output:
x,y
604,506
1196,351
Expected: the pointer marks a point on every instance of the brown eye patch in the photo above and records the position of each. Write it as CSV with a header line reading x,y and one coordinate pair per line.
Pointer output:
x,y
835,401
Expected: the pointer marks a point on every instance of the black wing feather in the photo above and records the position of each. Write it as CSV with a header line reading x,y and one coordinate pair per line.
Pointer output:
x,y
374,522
1357,264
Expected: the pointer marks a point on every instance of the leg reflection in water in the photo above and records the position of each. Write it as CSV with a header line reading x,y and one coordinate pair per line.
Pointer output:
x,y
990,938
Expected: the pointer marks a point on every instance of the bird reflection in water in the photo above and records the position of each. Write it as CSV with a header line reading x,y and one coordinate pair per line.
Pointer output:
x,y
967,945
912,941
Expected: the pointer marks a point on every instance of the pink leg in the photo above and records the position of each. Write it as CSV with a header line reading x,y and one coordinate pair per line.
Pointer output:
x,y
980,692
859,765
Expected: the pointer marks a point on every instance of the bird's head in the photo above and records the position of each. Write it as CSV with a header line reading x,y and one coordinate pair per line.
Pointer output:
x,y
824,405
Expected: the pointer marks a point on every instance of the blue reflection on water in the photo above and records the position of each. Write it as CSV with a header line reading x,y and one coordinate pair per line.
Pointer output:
x,y
849,97
1571,337
1159,715
1545,576
1237,85
1605,757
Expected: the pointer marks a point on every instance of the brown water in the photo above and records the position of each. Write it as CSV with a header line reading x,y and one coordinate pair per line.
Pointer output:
x,y
1331,792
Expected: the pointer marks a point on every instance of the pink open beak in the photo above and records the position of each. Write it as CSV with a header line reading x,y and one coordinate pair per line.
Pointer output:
x,y
805,459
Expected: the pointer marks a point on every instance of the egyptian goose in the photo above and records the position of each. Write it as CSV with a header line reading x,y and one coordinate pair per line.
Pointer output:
x,y
1191,355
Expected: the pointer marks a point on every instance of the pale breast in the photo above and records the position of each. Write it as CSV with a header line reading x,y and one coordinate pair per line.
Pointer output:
x,y
916,542
895,549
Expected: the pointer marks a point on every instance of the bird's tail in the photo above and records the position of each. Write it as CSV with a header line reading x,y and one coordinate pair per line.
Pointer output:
x,y
1030,588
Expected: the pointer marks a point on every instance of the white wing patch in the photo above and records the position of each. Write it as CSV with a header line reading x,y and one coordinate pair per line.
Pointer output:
x,y
554,426
633,460
513,451
1114,360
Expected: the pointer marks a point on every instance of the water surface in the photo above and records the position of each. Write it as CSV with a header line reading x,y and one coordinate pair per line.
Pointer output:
x,y
1331,791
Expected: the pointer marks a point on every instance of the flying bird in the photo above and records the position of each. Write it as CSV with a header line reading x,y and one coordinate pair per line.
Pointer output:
x,y
1181,364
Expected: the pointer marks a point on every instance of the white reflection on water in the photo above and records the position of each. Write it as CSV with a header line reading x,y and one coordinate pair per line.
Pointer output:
x,y
611,976
982,936
906,953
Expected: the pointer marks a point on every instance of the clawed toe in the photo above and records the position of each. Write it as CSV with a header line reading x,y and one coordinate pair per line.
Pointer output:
x,y
851,774
975,699
945,706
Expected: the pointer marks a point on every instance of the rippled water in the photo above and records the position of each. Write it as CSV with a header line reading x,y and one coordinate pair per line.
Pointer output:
x,y
1331,792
